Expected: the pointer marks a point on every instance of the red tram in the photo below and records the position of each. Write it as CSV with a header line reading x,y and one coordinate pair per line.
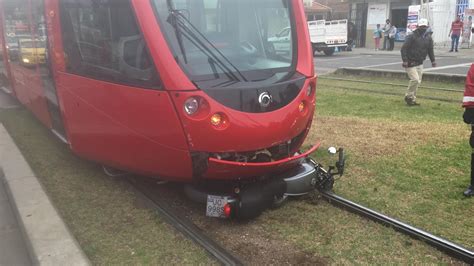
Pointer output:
x,y
194,91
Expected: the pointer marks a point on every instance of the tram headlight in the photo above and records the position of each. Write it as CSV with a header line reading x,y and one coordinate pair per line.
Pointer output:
x,y
26,60
191,106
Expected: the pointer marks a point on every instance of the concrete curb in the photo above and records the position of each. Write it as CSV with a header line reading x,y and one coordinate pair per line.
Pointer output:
x,y
398,54
48,240
464,53
400,74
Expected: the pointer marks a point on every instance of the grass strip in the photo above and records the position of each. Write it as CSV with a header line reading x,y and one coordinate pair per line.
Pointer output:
x,y
109,223
409,163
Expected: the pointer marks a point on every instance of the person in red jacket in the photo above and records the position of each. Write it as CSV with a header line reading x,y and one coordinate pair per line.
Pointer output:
x,y
468,116
455,33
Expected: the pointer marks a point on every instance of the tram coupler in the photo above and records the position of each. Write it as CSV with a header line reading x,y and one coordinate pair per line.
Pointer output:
x,y
325,178
249,200
301,180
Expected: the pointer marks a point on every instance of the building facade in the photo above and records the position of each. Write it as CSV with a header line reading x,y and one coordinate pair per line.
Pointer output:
x,y
366,14
326,9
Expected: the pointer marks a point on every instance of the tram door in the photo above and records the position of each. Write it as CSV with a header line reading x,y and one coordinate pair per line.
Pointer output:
x,y
4,76
41,28
25,52
115,109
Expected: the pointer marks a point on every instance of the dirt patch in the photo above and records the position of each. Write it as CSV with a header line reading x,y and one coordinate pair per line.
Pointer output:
x,y
371,139
247,240
258,247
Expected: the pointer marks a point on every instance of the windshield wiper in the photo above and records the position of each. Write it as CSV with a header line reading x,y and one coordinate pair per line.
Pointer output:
x,y
199,40
212,59
173,21
203,37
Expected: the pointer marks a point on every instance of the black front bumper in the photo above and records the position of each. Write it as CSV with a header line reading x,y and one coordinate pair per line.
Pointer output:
x,y
250,200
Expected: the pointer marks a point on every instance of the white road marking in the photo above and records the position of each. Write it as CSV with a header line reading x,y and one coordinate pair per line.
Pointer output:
x,y
386,64
448,74
6,90
336,59
446,67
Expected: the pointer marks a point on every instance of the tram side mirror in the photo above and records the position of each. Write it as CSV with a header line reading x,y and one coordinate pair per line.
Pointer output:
x,y
133,61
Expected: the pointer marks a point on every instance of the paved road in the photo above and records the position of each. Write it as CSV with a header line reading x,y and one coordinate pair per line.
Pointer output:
x,y
447,64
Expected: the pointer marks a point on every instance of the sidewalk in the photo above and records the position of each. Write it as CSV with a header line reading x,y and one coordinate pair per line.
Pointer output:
x,y
13,249
439,52
463,55
31,230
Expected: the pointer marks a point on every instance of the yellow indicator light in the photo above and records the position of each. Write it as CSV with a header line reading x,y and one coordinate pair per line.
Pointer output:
x,y
216,119
301,106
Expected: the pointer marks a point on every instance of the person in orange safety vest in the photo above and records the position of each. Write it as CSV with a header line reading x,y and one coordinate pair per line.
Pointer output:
x,y
468,104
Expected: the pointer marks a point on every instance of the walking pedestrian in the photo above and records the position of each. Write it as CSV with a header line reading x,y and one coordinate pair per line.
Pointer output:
x,y
392,33
386,29
468,116
455,33
377,36
414,51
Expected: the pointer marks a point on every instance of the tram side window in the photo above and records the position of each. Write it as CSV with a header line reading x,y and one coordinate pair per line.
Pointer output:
x,y
17,31
102,40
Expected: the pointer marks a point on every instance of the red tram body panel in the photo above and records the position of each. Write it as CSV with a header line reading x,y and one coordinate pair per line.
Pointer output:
x,y
181,90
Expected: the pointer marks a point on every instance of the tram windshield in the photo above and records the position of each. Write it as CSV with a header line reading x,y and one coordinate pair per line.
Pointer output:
x,y
223,42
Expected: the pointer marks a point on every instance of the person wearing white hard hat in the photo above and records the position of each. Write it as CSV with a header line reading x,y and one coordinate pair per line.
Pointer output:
x,y
417,46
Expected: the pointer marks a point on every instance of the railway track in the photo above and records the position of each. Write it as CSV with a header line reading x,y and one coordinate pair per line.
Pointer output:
x,y
224,257
182,224
387,84
391,93
396,94
450,248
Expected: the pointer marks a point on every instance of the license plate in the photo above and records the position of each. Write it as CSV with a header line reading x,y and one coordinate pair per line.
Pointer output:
x,y
215,206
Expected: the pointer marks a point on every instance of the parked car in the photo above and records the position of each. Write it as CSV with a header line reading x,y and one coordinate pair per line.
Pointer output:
x,y
282,41
32,52
12,47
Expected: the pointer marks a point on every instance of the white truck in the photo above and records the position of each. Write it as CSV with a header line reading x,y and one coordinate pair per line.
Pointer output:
x,y
327,35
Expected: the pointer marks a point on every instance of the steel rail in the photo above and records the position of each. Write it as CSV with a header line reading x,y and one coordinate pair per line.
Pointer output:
x,y
387,83
448,247
183,224
396,94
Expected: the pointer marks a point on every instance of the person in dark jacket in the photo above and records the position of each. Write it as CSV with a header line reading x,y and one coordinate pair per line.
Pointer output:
x,y
351,35
468,104
414,51
392,33
386,40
